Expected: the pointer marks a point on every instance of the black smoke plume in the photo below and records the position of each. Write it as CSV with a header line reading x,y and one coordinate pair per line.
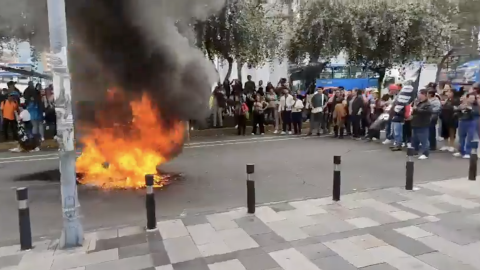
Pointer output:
x,y
135,45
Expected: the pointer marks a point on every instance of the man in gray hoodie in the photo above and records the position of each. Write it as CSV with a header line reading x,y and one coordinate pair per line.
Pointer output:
x,y
436,106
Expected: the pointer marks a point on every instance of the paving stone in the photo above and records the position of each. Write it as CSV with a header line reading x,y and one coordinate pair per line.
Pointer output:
x,y
268,239
366,241
214,248
407,209
230,265
352,253
154,236
413,232
423,206
221,258
315,251
222,221
10,260
106,234
410,263
443,262
196,264
451,235
403,243
165,267
237,239
118,242
133,251
160,258
194,220
277,247
278,207
308,208
382,266
403,215
375,215
386,196
130,231
252,225
267,214
448,207
333,263
133,263
305,242
442,245
431,218
172,228
76,260
386,253
341,212
287,230
317,230
333,223
260,261
362,222
203,234
181,249
298,218
292,259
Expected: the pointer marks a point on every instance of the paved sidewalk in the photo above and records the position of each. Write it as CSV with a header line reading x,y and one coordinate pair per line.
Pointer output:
x,y
435,227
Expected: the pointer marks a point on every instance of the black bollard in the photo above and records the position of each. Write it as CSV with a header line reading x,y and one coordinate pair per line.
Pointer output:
x,y
472,169
336,178
250,189
409,169
24,219
150,203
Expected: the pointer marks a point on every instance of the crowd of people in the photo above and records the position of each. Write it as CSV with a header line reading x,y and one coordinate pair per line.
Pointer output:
x,y
438,113
33,108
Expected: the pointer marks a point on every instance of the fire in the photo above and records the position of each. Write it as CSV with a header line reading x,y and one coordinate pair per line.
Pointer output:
x,y
119,156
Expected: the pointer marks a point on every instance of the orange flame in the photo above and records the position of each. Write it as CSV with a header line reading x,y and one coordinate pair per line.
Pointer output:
x,y
114,159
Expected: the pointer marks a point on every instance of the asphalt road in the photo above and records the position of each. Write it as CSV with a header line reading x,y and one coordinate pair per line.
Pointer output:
x,y
214,179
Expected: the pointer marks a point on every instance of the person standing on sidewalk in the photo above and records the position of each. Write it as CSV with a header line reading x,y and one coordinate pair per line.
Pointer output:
x,y
449,120
9,108
297,109
271,114
318,104
285,109
421,119
355,111
468,113
258,117
219,104
436,108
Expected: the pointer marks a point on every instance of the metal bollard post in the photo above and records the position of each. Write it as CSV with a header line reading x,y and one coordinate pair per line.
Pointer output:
x,y
24,219
336,178
472,168
250,189
150,203
409,169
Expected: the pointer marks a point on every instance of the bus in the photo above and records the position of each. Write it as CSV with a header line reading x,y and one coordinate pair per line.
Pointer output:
x,y
333,75
466,74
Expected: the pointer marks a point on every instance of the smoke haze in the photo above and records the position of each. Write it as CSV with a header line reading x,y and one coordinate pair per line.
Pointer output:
x,y
135,45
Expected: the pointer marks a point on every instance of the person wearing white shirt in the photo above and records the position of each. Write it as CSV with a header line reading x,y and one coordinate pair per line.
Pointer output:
x,y
25,118
297,109
285,109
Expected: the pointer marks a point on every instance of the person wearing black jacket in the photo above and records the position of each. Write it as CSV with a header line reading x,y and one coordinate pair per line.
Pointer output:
x,y
355,110
449,120
421,118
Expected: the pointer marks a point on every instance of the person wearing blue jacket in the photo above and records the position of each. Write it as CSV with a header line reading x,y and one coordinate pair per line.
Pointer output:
x,y
468,114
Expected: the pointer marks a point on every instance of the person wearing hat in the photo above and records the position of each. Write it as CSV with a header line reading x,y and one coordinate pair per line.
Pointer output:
x,y
9,122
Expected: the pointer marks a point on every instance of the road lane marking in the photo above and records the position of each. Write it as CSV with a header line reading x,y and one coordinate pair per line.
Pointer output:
x,y
48,157
235,140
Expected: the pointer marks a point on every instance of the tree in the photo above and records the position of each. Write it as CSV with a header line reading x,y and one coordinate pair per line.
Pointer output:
x,y
24,20
315,31
244,30
380,34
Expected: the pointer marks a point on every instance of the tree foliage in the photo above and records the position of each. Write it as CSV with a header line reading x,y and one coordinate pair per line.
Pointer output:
x,y
245,30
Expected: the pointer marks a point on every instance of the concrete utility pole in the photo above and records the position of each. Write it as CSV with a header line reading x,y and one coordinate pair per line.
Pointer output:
x,y
72,234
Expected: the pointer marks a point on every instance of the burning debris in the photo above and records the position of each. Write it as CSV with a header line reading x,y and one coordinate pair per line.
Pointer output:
x,y
160,80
